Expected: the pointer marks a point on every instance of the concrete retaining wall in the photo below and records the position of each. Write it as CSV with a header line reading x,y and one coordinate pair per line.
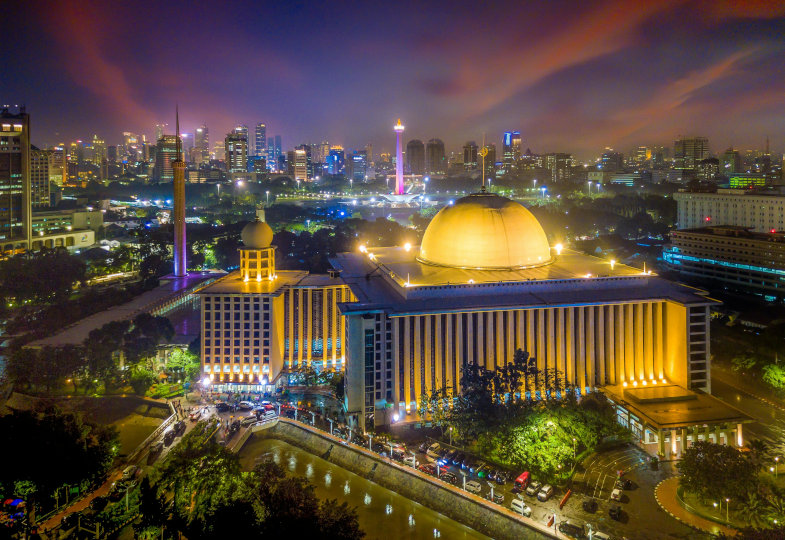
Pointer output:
x,y
490,519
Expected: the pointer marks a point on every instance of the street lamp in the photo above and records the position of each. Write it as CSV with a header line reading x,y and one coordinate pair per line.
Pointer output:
x,y
464,479
391,450
450,435
331,425
573,448
414,459
589,184
727,510
308,224
370,439
491,484
313,418
268,197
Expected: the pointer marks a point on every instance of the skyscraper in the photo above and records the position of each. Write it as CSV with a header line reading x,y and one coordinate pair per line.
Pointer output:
x,y
688,152
730,161
302,163
178,210
399,187
201,152
359,165
236,147
435,161
15,223
511,147
272,159
40,162
260,142
470,156
415,157
160,130
336,161
278,146
165,154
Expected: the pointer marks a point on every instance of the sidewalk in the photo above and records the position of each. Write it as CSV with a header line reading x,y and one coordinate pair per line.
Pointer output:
x,y
665,493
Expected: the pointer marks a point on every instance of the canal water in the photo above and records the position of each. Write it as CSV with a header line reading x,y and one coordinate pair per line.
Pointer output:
x,y
383,513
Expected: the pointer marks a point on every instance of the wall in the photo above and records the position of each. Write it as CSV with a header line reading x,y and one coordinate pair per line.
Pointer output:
x,y
493,520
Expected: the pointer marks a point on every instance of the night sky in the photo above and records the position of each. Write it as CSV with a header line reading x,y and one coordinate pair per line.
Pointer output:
x,y
571,76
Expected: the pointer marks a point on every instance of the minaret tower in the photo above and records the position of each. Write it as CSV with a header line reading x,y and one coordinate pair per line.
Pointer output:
x,y
399,187
178,219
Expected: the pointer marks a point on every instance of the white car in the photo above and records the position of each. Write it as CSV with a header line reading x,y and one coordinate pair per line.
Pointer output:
x,y
433,451
473,486
520,507
245,405
616,495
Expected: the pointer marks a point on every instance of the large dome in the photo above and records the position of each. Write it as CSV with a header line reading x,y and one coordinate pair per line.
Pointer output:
x,y
486,232
257,235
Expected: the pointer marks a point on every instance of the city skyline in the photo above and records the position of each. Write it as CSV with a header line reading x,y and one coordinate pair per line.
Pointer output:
x,y
566,78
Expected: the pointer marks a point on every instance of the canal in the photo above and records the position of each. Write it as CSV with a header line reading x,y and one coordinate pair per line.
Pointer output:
x,y
383,513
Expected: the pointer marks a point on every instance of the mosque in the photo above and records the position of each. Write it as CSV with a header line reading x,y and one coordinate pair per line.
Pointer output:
x,y
403,321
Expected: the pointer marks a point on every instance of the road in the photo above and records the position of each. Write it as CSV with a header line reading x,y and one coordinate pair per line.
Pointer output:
x,y
769,424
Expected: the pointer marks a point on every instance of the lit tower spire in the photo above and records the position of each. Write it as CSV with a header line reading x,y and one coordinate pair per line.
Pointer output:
x,y
399,187
178,211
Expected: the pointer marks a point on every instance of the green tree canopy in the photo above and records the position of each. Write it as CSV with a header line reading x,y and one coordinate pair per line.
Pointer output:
x,y
715,471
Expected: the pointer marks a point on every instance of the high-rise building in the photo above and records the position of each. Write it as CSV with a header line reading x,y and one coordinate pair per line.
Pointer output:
x,y
320,151
99,151
40,161
260,142
165,154
160,130
415,157
201,151
336,161
302,163
560,165
611,161
730,162
470,156
489,161
278,146
359,165
511,147
435,161
236,148
272,158
15,222
688,152
58,164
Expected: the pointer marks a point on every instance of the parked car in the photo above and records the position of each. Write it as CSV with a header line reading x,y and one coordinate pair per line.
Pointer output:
x,y
469,464
616,495
156,447
423,447
597,535
433,451
130,472
572,529
545,493
245,405
99,503
498,498
501,478
615,512
194,416
178,428
222,407
589,505
449,456
482,470
411,461
169,436
427,468
533,488
473,486
458,458
520,507
449,477
522,481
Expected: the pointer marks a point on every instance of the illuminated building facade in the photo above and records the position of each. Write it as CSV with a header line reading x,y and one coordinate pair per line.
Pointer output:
x,y
236,150
259,322
435,159
511,147
15,210
758,211
40,164
400,189
734,256
690,151
470,156
302,163
415,157
165,154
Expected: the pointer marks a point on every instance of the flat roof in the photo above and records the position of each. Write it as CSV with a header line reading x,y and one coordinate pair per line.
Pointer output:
x,y
234,284
676,407
170,286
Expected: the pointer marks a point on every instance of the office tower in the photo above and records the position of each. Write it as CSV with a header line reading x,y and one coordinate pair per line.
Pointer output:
x,y
336,161
236,148
76,154
160,130
219,151
511,147
730,162
399,187
319,152
201,150
111,153
369,153
560,165
260,142
99,150
489,161
15,223
359,165
165,154
272,159
470,156
415,157
178,209
40,160
611,161
302,163
57,167
687,152
278,145
242,129
435,161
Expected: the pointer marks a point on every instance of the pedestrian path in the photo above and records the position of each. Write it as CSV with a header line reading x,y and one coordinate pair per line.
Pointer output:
x,y
666,496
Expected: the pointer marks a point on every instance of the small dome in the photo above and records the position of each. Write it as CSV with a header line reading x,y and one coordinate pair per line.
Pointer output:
x,y
257,235
484,231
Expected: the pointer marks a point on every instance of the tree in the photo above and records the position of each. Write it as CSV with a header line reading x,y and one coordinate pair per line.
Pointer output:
x,y
147,332
774,374
743,361
183,363
714,471
141,379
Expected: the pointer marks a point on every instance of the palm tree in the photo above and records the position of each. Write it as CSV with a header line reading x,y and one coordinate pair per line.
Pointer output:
x,y
759,452
754,510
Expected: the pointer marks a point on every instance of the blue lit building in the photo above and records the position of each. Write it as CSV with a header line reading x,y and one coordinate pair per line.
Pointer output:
x,y
359,165
336,163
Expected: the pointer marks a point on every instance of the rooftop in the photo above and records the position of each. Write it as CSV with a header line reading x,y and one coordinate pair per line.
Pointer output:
x,y
234,284
670,406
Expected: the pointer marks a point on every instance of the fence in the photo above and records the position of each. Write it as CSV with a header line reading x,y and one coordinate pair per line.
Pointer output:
x,y
154,435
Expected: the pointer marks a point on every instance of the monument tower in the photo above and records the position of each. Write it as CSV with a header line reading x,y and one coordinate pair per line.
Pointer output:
x,y
178,211
399,187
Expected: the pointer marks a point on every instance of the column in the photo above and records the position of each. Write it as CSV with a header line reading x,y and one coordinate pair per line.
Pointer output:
x,y
309,333
591,359
459,359
550,340
541,344
629,343
648,346
407,352
397,362
659,341
639,332
300,325
569,374
739,436
674,444
428,385
489,347
418,360
560,341
438,355
660,442
599,340
580,337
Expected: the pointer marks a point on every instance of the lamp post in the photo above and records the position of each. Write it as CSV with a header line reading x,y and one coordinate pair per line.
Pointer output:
x,y
450,435
464,479
391,450
313,418
414,459
573,449
331,425
491,484
350,434
295,413
279,408
268,197
370,439
589,184
776,466
727,509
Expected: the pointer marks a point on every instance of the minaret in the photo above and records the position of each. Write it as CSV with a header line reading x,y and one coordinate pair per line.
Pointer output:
x,y
178,219
399,187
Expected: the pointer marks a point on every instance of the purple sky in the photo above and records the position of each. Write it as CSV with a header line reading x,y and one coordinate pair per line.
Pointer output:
x,y
571,76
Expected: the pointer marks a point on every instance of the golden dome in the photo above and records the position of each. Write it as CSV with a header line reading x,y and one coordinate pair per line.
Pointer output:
x,y
257,235
484,231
